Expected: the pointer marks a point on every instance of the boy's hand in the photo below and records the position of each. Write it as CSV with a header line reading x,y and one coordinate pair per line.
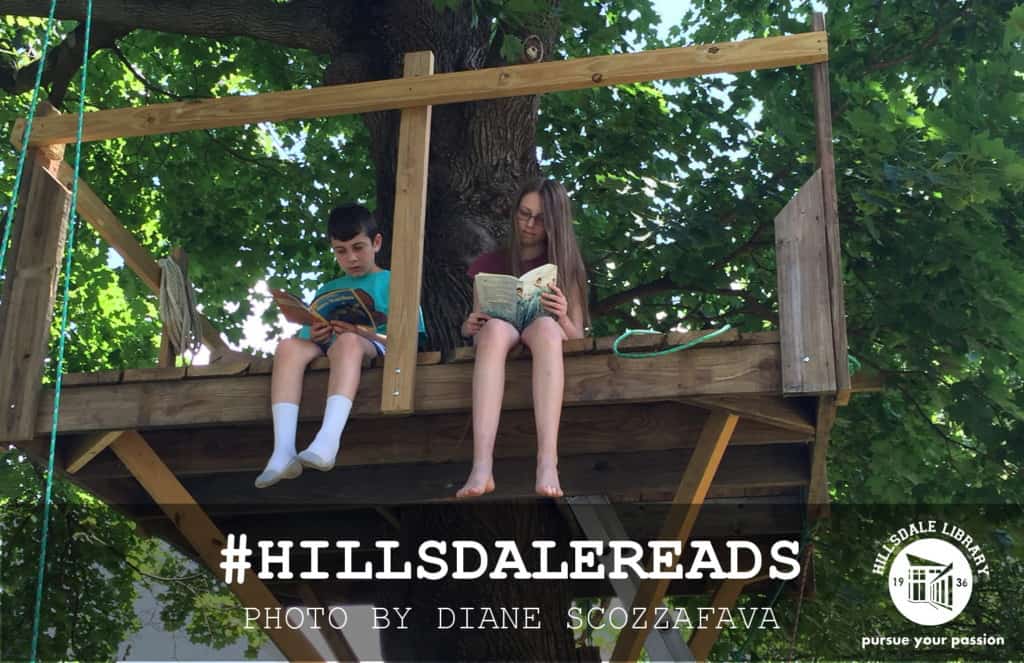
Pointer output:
x,y
340,327
320,332
554,302
474,323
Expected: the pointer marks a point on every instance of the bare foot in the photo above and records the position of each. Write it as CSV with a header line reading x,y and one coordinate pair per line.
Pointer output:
x,y
547,481
478,483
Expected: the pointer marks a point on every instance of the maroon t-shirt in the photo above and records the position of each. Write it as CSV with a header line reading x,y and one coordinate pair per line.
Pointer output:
x,y
497,262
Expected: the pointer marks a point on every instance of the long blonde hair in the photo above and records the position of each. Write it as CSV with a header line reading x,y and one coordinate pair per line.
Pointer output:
x,y
563,250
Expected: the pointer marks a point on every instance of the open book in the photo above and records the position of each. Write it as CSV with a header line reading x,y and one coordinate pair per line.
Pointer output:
x,y
350,305
515,300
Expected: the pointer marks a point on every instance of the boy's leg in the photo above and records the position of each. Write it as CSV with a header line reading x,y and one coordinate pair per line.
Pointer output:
x,y
346,355
544,338
493,342
290,361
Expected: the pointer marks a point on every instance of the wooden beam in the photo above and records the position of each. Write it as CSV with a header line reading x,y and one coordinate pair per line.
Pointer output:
x,y
458,87
703,639
693,489
335,638
85,450
34,264
773,410
589,380
407,246
106,224
203,535
805,325
772,469
441,438
817,493
827,165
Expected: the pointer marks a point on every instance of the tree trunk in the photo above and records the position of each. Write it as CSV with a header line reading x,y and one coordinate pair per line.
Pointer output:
x,y
479,152
469,638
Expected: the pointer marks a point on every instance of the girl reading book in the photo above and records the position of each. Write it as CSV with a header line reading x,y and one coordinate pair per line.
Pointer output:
x,y
542,233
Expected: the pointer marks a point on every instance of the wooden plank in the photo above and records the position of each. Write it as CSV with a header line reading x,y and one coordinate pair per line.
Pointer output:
x,y
334,637
98,377
203,535
34,263
817,493
407,246
703,639
589,380
770,469
152,374
867,381
221,368
441,438
808,356
458,87
79,455
693,489
784,413
830,198
106,224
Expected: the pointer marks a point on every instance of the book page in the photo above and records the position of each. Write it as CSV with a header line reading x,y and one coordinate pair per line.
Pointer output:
x,y
496,294
538,279
344,304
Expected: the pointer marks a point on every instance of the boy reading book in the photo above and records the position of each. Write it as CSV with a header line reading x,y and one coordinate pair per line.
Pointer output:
x,y
355,241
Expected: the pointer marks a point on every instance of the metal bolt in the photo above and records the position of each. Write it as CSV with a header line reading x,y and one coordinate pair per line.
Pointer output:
x,y
806,359
394,393
398,370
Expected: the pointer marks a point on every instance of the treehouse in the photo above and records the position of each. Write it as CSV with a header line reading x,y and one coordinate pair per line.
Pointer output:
x,y
741,419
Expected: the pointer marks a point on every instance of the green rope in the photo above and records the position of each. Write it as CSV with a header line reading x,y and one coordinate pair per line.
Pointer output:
x,y
853,363
68,254
24,138
675,348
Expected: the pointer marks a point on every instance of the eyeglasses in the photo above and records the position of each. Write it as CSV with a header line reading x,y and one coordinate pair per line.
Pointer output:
x,y
525,216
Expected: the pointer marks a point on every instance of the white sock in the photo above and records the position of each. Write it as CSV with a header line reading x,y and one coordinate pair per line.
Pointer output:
x,y
328,439
286,418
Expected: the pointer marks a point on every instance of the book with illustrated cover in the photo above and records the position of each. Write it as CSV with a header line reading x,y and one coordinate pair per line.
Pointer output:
x,y
352,305
515,300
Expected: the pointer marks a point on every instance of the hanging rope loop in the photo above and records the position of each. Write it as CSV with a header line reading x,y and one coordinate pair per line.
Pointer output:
x,y
178,308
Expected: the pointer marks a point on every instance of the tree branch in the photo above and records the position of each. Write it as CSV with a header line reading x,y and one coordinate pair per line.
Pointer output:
x,y
305,24
62,62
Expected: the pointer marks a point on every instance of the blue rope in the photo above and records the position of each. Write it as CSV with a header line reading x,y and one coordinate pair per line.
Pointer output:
x,y
69,254
659,353
25,136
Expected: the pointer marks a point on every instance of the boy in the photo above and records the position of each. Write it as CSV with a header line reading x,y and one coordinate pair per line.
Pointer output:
x,y
355,241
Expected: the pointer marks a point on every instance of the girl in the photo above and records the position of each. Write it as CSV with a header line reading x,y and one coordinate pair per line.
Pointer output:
x,y
541,233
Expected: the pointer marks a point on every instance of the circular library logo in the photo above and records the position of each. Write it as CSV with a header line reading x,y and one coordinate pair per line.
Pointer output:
x,y
930,581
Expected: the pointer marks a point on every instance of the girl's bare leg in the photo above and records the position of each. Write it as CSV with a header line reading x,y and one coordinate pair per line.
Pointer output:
x,y
544,338
493,343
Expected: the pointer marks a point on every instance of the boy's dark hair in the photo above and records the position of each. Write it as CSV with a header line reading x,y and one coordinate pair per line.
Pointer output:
x,y
347,221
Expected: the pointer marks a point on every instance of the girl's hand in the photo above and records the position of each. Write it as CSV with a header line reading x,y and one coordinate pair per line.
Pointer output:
x,y
474,323
320,332
555,302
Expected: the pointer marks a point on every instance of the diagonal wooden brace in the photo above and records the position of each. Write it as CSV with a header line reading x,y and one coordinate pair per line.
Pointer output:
x,y
679,522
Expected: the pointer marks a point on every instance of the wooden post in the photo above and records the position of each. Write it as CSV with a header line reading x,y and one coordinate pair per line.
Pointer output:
x,y
827,164
817,491
689,498
805,324
207,540
168,353
34,264
407,247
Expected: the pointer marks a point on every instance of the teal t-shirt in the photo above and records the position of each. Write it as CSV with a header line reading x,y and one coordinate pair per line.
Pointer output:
x,y
378,286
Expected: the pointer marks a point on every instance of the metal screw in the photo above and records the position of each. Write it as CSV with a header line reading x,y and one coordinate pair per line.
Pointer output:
x,y
394,393
806,359
398,370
